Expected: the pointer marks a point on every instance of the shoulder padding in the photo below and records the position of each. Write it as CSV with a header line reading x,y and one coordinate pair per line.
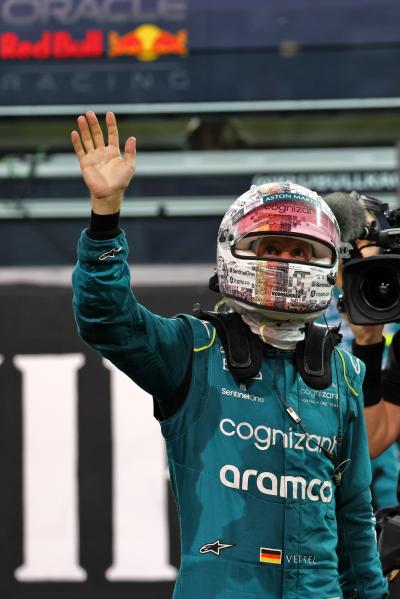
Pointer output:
x,y
313,355
203,331
243,349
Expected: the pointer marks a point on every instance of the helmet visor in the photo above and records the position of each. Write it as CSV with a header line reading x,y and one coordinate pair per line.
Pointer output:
x,y
304,219
284,248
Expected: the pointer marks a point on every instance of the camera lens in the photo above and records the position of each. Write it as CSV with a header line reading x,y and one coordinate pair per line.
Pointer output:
x,y
380,288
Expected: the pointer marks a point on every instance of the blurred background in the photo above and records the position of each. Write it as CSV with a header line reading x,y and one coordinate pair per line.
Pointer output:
x,y
220,95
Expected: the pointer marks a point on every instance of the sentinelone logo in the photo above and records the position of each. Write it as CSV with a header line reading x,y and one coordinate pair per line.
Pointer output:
x,y
241,395
146,43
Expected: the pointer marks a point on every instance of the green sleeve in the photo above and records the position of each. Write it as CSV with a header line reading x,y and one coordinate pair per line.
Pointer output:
x,y
152,350
359,564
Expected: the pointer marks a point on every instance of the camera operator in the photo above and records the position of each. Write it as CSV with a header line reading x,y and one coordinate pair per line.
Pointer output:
x,y
382,403
370,280
369,276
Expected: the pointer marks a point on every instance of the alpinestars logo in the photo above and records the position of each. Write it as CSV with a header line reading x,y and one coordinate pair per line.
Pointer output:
x,y
215,547
110,253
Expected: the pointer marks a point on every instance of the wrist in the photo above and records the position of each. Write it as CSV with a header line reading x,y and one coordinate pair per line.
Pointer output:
x,y
107,205
104,226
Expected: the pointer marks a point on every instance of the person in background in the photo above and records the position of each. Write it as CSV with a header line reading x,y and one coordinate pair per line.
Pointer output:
x,y
270,478
213,133
368,343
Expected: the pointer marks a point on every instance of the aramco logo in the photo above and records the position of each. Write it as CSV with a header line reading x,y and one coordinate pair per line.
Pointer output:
x,y
147,43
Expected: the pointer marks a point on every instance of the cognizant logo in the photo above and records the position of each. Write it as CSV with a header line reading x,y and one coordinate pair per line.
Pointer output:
x,y
317,393
263,437
268,483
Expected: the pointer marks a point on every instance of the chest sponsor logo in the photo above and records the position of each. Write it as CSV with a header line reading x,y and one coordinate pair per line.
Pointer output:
x,y
241,395
267,483
319,397
263,437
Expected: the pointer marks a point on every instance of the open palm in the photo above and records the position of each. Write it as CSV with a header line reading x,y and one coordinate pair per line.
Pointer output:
x,y
105,172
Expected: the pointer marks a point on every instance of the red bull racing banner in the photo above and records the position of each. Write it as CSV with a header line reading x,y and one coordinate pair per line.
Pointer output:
x,y
93,51
74,52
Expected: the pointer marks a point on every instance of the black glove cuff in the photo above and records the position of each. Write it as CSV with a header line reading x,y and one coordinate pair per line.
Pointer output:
x,y
371,355
104,226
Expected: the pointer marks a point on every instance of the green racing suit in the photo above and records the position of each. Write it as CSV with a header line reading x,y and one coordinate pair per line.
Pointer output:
x,y
260,515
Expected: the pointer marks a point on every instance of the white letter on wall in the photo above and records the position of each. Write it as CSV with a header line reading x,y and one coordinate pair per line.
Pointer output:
x,y
140,518
50,493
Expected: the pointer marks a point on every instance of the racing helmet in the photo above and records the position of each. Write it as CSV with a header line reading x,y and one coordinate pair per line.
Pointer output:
x,y
286,289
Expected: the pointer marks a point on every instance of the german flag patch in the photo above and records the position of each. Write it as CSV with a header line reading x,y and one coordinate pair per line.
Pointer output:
x,y
270,556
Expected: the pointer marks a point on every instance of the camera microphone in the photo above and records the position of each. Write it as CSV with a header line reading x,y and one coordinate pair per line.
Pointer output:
x,y
349,213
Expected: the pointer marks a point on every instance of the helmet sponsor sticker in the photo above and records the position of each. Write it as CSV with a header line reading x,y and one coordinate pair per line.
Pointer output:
x,y
293,196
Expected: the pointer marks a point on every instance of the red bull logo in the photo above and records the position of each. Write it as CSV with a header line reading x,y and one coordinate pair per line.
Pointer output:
x,y
58,45
147,42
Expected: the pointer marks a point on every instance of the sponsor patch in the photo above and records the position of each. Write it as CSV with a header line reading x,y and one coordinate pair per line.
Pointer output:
x,y
263,437
241,395
270,556
270,484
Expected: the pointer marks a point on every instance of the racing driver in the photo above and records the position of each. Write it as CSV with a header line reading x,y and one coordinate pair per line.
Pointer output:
x,y
262,417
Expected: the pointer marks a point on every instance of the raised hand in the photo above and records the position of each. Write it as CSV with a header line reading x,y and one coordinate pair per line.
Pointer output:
x,y
106,173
